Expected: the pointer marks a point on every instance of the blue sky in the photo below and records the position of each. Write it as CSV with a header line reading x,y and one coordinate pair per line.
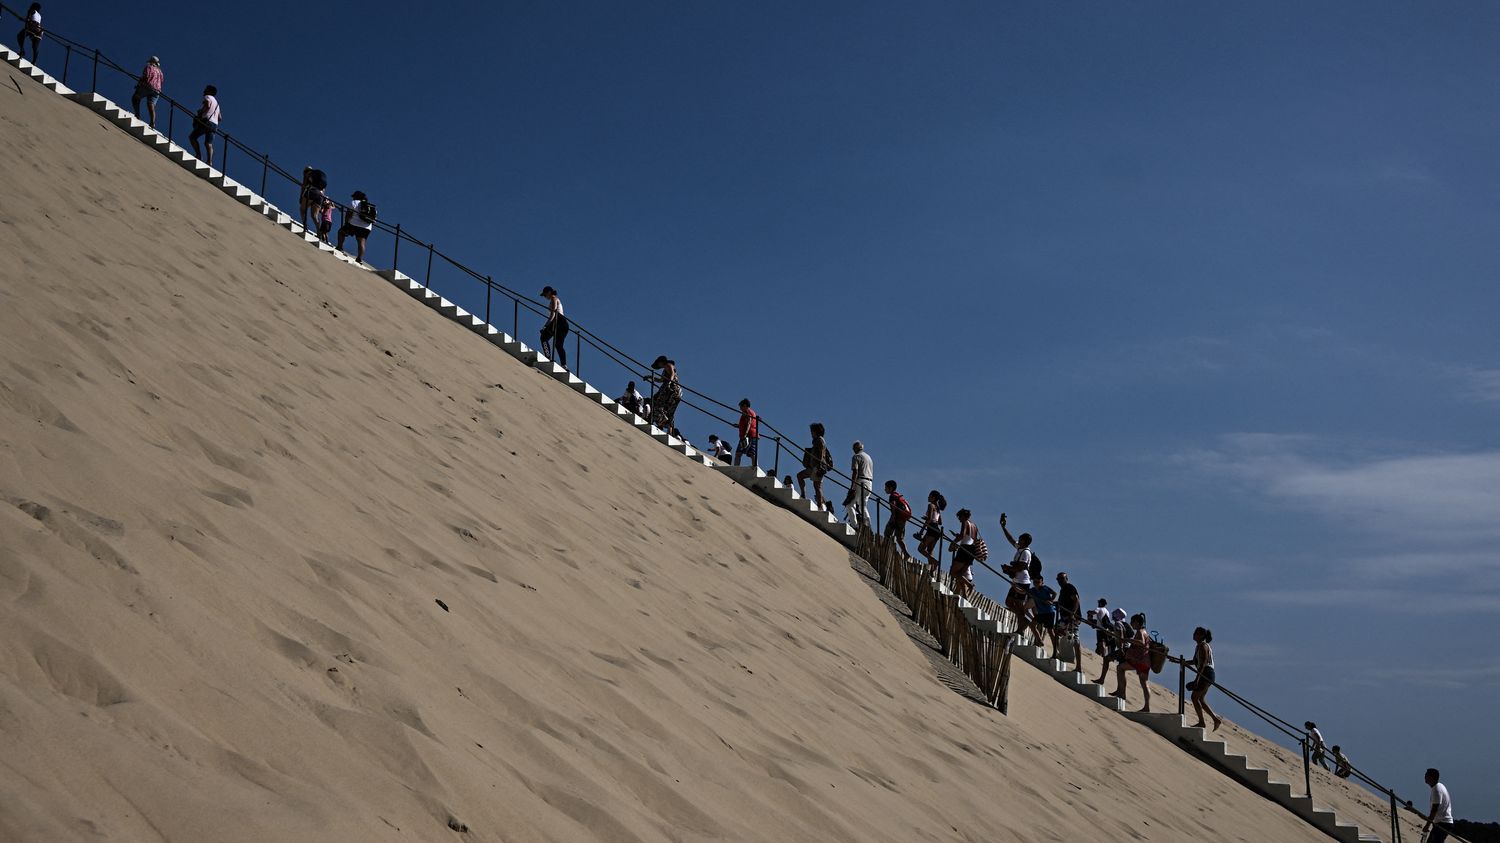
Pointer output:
x,y
1203,296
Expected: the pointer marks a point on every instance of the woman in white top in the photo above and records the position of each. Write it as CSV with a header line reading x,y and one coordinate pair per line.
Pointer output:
x,y
1203,665
31,30
555,331
961,572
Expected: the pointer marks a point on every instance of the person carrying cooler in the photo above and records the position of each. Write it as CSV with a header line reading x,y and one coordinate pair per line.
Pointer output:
x,y
555,330
148,88
895,529
932,530
31,30
817,461
359,221
206,124
749,444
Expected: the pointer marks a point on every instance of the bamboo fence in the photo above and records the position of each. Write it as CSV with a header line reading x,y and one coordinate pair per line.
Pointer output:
x,y
984,656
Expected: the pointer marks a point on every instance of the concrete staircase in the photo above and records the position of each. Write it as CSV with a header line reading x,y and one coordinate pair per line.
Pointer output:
x,y
1195,741
755,479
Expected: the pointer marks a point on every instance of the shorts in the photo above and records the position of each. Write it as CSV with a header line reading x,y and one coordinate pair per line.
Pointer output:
x,y
203,129
147,94
324,227
963,564
1045,620
1205,680
1439,833
895,528
1142,668
354,231
749,448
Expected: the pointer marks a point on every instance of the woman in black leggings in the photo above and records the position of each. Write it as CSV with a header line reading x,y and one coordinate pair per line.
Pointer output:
x,y
555,332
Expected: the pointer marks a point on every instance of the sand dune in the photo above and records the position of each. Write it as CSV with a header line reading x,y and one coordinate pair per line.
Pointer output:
x,y
284,556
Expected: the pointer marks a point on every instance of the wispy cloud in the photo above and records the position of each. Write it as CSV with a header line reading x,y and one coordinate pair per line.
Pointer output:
x,y
1440,677
1434,517
1478,384
1191,356
1452,497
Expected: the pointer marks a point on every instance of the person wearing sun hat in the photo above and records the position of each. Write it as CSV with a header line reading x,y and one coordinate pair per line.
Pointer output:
x,y
148,88
555,331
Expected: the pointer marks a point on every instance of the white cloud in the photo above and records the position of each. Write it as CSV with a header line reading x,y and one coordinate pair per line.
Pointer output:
x,y
1479,384
1431,517
1436,498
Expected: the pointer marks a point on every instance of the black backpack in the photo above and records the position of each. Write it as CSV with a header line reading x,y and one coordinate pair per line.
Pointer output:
x,y
1035,569
367,210
318,179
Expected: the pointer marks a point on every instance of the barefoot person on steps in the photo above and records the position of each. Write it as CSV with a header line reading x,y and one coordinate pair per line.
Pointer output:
x,y
1203,665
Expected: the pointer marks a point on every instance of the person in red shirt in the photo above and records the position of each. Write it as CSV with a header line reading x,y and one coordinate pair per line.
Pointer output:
x,y
895,529
749,444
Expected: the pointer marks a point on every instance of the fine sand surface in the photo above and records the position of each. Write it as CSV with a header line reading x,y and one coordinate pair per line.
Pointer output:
x,y
237,476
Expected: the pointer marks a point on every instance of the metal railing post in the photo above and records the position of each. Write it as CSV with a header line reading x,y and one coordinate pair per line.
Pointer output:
x,y
67,58
94,85
171,118
1181,687
577,353
515,318
1307,767
428,282
776,461
265,170
488,288
224,159
396,252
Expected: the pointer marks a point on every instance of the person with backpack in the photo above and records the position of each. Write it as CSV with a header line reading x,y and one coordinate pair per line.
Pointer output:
x,y
313,192
148,88
817,461
1069,616
967,546
359,221
720,449
749,443
31,29
206,124
932,530
895,529
555,331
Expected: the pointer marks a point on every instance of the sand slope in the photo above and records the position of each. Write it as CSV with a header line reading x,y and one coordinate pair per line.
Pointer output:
x,y
235,479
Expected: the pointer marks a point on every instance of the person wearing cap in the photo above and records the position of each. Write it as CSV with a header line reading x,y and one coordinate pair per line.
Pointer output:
x,y
356,224
555,331
148,88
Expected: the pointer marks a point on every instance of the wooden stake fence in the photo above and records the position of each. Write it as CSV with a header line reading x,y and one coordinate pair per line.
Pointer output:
x,y
982,655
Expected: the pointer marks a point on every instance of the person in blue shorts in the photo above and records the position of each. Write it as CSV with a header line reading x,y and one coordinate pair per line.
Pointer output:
x,y
1044,612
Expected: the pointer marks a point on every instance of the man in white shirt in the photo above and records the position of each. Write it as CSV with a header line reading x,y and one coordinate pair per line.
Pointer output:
x,y
1440,818
862,470
356,224
206,124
